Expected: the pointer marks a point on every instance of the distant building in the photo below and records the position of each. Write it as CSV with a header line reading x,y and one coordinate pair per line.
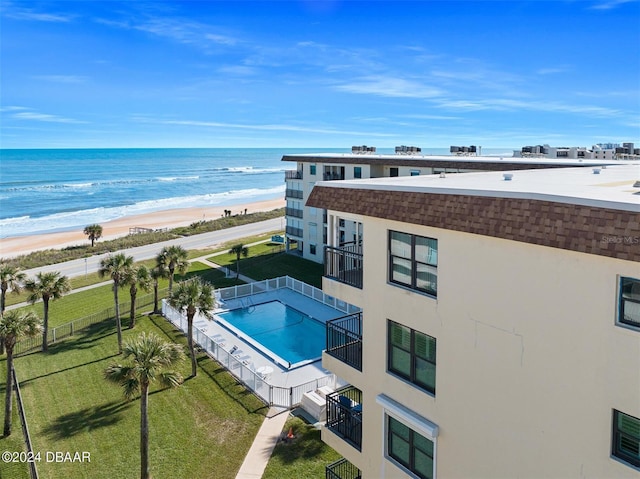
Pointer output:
x,y
306,227
601,151
500,326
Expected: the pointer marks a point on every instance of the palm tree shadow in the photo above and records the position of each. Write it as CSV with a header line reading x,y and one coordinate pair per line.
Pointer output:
x,y
86,419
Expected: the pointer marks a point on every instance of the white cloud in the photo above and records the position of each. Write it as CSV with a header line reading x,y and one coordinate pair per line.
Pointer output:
x,y
45,117
62,78
263,127
391,87
30,14
610,4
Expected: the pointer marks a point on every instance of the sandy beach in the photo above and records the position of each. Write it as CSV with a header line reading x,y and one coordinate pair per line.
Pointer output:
x,y
11,247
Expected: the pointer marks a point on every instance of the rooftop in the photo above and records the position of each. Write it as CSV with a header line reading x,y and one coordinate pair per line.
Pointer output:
x,y
612,187
417,160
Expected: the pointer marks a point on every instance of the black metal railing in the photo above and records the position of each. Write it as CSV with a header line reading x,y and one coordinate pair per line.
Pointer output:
x,y
293,231
344,264
344,339
293,212
292,175
33,470
332,176
297,194
344,415
342,469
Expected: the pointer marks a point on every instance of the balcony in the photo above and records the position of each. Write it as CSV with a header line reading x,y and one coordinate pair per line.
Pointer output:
x,y
296,194
344,339
329,176
344,415
292,231
344,264
342,469
293,212
293,175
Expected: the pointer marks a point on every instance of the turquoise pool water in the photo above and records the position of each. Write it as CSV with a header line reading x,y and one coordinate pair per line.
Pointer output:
x,y
289,333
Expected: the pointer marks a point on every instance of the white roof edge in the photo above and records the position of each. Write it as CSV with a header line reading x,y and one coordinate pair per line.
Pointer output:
x,y
572,200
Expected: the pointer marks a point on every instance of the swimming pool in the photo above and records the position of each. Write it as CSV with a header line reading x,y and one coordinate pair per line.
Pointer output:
x,y
288,333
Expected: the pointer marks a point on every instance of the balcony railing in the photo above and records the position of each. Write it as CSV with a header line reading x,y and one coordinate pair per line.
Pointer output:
x,y
332,176
294,212
344,264
344,339
293,175
297,194
344,415
342,469
292,231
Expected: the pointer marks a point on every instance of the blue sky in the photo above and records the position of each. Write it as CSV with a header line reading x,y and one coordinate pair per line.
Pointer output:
x,y
319,73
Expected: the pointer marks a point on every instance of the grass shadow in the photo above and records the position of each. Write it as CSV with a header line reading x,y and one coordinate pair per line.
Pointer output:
x,y
218,374
26,382
86,419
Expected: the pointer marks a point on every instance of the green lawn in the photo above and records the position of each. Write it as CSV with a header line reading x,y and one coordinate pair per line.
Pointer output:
x,y
15,442
306,456
202,429
266,262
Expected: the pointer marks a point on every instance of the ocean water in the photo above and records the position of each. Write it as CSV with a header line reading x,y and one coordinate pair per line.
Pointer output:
x,y
65,189
57,190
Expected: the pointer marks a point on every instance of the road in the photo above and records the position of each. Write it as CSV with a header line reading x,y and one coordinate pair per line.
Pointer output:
x,y
78,267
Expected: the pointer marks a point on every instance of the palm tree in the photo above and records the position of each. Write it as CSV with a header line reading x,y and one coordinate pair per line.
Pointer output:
x,y
47,286
136,277
193,295
238,250
11,278
94,232
151,359
116,267
15,325
173,258
157,273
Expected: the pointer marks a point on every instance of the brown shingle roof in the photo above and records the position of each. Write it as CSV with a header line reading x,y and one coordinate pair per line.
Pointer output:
x,y
586,229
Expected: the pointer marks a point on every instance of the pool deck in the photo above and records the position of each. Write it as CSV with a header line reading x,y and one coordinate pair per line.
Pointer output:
x,y
279,376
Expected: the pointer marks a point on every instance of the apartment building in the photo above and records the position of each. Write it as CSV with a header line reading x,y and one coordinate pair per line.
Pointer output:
x,y
500,328
601,151
306,226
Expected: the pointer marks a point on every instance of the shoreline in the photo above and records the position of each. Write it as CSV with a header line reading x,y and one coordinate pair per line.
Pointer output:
x,y
171,218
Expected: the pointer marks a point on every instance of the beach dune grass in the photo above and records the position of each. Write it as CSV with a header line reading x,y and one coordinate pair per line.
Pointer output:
x,y
53,256
202,429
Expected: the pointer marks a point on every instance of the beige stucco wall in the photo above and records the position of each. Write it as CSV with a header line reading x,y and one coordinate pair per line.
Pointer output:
x,y
530,363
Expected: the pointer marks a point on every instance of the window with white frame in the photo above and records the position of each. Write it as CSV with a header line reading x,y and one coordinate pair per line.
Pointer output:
x,y
629,302
626,438
410,439
413,261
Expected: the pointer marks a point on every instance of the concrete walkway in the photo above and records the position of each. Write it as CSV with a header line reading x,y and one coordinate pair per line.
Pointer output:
x,y
265,441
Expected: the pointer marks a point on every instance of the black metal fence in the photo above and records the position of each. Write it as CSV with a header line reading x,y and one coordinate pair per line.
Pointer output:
x,y
344,339
342,469
69,329
33,471
344,264
344,415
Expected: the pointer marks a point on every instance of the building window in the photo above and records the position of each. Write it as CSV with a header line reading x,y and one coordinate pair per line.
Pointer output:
x,y
393,172
312,169
629,302
409,448
414,172
411,355
357,172
312,249
626,438
413,262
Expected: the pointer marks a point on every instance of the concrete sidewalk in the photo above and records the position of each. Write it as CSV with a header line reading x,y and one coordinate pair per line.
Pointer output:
x,y
259,454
